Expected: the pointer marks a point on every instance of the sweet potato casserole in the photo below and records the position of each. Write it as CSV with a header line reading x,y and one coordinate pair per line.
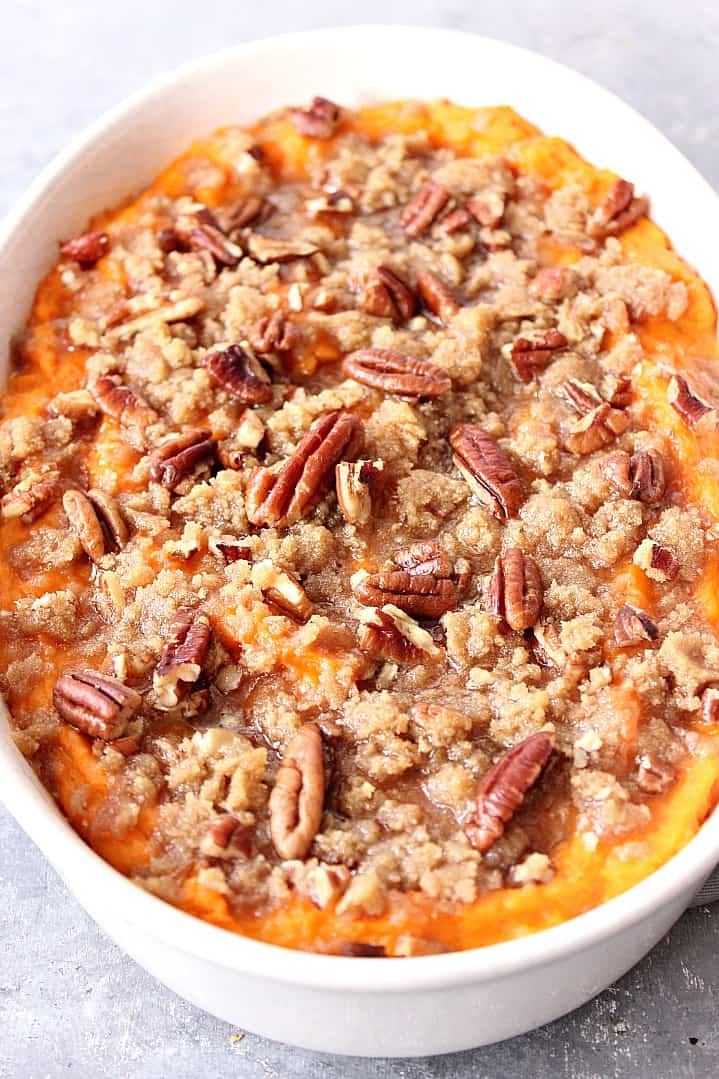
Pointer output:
x,y
359,495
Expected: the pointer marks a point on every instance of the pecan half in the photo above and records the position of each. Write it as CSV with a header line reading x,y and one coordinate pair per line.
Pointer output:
x,y
596,429
453,221
123,405
180,456
530,355
182,656
354,483
240,374
95,703
279,498
209,238
389,633
87,248
85,523
516,592
297,798
32,494
270,249
620,209
647,476
633,626
282,590
319,120
273,333
422,595
388,296
423,209
393,372
682,398
424,556
505,786
487,469
436,297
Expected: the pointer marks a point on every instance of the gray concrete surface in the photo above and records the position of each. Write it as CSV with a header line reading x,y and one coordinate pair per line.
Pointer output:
x,y
70,1002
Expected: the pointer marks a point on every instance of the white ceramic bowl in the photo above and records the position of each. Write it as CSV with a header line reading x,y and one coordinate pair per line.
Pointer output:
x,y
355,1006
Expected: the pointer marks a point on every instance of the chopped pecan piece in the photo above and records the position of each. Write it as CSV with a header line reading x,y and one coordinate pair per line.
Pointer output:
x,y
182,656
390,633
710,705
319,120
87,248
297,798
270,249
393,372
181,456
231,835
547,647
123,405
504,787
32,494
229,548
279,498
388,296
620,209
282,590
633,626
240,374
95,703
487,209
453,221
171,239
241,213
354,482
209,238
530,355
423,209
583,396
273,333
596,429
646,476
408,946
436,297
487,469
360,949
682,398
554,283
653,776
422,595
516,591
657,562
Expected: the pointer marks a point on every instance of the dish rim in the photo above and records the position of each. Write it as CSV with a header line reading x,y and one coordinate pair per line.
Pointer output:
x,y
184,932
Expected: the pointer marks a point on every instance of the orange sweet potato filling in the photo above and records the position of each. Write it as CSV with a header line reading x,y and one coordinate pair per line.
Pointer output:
x,y
584,877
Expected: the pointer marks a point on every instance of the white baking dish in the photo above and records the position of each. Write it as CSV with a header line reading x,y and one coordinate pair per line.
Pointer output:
x,y
357,1006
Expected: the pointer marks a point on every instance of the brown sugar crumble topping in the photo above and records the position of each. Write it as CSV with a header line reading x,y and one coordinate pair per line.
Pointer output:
x,y
351,574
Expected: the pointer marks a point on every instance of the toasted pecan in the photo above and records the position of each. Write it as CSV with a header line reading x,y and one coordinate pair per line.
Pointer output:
x,y
504,787
240,374
529,355
387,295
487,469
179,457
423,209
686,402
182,657
390,633
298,795
272,333
516,592
281,497
95,703
633,626
393,372
355,482
621,209
319,120
436,296
87,248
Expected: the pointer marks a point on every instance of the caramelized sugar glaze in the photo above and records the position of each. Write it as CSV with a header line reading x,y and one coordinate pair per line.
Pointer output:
x,y
358,536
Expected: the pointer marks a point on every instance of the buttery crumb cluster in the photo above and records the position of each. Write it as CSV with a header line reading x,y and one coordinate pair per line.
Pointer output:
x,y
321,542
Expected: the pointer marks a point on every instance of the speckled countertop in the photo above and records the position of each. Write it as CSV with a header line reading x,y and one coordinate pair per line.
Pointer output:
x,y
70,1002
